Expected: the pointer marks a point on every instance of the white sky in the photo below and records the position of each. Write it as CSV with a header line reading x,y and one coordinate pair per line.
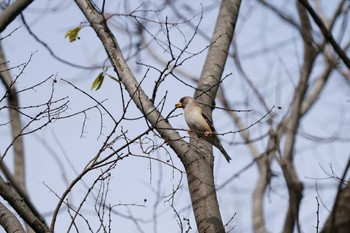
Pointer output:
x,y
135,179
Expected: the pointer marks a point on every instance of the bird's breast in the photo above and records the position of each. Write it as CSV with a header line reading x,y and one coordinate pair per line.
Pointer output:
x,y
195,121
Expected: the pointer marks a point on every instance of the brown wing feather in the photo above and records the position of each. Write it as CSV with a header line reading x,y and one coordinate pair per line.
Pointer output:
x,y
214,140
210,123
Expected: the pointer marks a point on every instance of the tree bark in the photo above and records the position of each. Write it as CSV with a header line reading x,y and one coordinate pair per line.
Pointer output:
x,y
21,208
339,219
9,221
12,11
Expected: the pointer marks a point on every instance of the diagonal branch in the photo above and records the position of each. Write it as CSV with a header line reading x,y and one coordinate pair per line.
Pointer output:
x,y
11,12
9,221
326,33
19,205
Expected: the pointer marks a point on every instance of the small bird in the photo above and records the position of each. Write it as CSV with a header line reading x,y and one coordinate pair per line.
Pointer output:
x,y
200,123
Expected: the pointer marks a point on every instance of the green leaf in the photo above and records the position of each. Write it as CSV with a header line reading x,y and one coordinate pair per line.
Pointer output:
x,y
98,81
112,77
72,34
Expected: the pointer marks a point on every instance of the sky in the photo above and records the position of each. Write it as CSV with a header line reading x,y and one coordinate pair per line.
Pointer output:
x,y
270,54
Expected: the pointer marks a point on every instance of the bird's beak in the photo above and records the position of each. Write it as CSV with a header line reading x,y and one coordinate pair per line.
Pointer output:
x,y
178,105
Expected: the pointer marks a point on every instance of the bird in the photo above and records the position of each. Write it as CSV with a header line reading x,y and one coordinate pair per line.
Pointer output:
x,y
200,123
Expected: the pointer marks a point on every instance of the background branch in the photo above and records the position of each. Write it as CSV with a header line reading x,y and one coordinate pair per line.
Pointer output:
x,y
12,11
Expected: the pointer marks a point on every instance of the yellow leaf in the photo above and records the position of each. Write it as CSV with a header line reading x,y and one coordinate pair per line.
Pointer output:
x,y
98,81
72,34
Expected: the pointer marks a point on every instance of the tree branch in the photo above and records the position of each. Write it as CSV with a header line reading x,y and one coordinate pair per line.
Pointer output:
x,y
339,219
263,163
21,208
9,221
11,12
16,126
326,33
290,125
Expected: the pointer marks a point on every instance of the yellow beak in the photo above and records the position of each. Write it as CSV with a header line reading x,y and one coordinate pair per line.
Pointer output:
x,y
178,105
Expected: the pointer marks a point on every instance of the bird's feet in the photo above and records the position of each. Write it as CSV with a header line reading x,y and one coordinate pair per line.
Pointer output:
x,y
208,134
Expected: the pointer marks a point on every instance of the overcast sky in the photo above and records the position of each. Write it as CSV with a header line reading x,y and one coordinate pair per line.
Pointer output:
x,y
57,153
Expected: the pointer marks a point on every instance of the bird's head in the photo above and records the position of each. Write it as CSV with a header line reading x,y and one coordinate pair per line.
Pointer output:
x,y
183,102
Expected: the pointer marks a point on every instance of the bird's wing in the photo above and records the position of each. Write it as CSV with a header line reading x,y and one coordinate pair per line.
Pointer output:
x,y
210,123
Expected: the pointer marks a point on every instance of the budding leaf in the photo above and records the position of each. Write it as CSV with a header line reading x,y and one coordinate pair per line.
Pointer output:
x,y
72,34
98,81
112,77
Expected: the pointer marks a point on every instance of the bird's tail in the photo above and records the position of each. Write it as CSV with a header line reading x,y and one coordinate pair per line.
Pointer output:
x,y
215,141
227,157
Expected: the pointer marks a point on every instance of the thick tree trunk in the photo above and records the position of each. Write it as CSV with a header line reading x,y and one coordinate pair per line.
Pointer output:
x,y
200,171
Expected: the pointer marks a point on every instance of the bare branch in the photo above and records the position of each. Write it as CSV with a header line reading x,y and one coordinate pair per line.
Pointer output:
x,y
16,125
326,33
291,124
19,205
52,53
12,11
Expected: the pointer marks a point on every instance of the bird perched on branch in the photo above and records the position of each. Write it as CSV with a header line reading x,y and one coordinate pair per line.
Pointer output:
x,y
199,123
